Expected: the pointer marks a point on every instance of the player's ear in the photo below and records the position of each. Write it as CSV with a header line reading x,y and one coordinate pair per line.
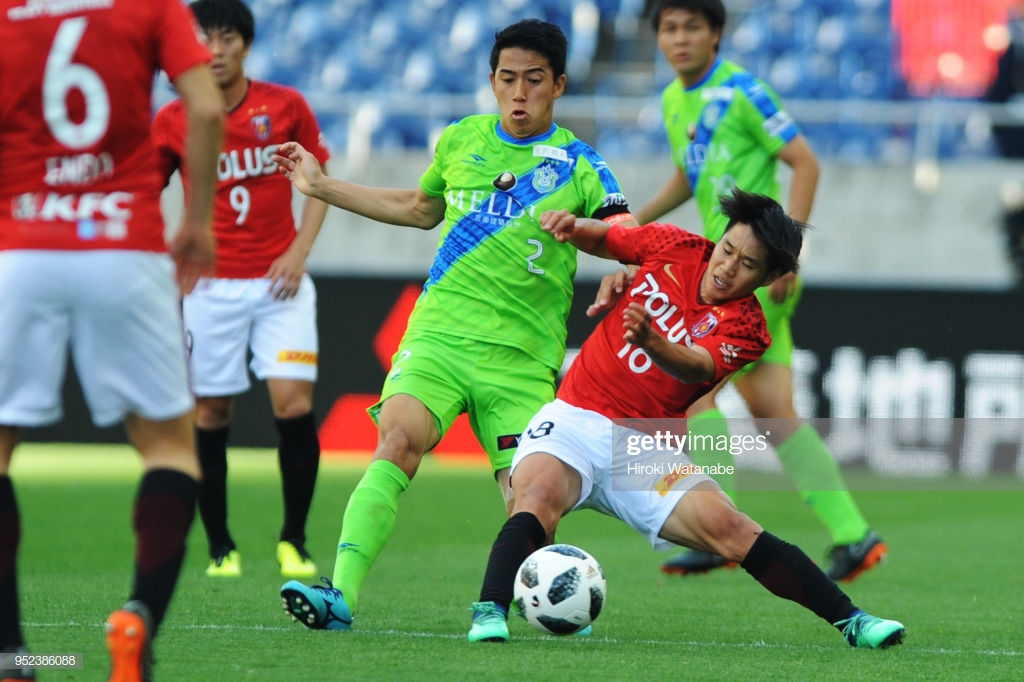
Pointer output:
x,y
770,278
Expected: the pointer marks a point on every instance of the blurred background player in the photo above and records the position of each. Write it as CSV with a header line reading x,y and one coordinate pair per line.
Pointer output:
x,y
487,336
728,129
260,296
569,457
84,265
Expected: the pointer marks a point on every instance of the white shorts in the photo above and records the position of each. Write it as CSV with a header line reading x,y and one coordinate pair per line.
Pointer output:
x,y
116,310
225,318
583,440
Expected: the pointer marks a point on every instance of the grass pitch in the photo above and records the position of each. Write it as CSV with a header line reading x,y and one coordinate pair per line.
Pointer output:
x,y
954,577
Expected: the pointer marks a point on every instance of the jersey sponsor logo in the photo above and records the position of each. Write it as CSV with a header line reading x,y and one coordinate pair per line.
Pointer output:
x,y
545,178
53,206
80,169
302,357
509,441
666,315
721,94
505,181
549,152
250,162
474,160
491,208
668,271
704,327
260,126
665,484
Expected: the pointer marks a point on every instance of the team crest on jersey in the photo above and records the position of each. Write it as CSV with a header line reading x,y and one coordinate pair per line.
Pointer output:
x,y
704,327
545,178
505,181
710,115
261,126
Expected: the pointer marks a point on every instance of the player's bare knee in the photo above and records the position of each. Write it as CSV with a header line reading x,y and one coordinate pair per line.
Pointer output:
x,y
213,413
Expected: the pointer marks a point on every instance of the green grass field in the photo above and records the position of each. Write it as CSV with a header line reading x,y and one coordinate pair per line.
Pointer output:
x,y
955,577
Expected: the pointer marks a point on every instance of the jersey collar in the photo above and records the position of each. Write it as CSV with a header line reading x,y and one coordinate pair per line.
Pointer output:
x,y
707,76
505,137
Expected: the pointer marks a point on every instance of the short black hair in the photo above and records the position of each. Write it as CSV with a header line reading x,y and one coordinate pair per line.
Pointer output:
x,y
781,235
712,10
232,14
534,35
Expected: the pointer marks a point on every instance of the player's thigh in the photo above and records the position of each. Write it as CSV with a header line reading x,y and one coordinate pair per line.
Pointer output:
x,y
433,369
284,338
705,518
508,389
579,438
218,320
35,326
127,341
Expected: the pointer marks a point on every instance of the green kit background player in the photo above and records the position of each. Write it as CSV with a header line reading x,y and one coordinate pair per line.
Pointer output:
x,y
728,129
487,335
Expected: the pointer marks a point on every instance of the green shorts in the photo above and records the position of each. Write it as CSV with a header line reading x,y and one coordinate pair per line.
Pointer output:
x,y
500,387
778,316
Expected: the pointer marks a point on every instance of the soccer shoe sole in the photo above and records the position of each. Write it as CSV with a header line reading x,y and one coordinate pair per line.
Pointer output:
x,y
301,607
686,570
126,641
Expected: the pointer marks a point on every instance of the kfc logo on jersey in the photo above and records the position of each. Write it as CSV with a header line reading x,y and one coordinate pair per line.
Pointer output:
x,y
112,206
704,327
260,126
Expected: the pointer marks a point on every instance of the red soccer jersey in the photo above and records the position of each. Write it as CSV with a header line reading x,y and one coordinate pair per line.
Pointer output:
x,y
619,380
252,218
77,168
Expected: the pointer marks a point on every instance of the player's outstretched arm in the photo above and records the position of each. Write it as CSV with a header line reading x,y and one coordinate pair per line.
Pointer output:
x,y
586,234
689,364
407,207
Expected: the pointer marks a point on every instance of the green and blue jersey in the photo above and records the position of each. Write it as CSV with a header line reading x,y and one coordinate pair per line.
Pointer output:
x,y
497,277
726,131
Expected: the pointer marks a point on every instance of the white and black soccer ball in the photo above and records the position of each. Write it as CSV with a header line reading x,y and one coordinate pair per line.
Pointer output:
x,y
560,589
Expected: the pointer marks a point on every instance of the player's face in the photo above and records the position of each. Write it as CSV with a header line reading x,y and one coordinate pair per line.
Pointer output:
x,y
526,90
688,43
229,51
738,265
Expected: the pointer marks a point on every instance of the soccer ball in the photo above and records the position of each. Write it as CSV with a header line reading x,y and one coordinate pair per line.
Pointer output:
x,y
560,589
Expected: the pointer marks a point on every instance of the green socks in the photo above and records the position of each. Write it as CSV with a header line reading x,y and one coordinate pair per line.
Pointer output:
x,y
816,475
367,525
706,429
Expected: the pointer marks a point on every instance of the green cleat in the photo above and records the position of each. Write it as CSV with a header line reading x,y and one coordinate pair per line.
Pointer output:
x,y
864,631
295,561
489,623
226,563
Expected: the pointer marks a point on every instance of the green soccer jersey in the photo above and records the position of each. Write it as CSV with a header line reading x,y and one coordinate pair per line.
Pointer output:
x,y
725,132
498,277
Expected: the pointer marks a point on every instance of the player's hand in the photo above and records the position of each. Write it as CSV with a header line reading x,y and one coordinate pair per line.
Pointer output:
x,y
560,224
192,251
612,288
783,287
298,165
285,275
637,323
